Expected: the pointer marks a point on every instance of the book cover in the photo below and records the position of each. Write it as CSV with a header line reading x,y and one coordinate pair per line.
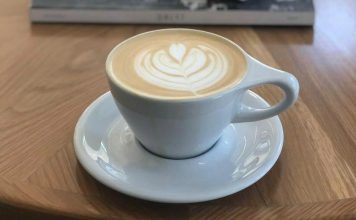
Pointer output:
x,y
255,12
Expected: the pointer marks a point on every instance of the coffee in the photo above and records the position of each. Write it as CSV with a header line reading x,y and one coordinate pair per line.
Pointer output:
x,y
176,64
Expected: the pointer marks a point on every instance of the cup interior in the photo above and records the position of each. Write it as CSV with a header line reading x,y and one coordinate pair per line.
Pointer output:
x,y
224,89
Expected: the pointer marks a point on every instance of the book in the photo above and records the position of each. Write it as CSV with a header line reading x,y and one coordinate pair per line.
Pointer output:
x,y
203,12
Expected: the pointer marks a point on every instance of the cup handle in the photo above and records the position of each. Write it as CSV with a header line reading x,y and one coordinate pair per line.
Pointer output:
x,y
260,74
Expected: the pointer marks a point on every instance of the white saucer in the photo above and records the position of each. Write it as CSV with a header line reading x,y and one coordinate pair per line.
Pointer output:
x,y
107,149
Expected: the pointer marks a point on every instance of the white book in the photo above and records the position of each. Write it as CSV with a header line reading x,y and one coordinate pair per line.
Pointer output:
x,y
250,12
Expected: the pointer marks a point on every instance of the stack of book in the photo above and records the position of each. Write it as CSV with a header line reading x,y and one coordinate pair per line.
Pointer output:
x,y
206,12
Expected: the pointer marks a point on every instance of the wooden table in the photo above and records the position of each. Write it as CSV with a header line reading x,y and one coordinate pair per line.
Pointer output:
x,y
50,73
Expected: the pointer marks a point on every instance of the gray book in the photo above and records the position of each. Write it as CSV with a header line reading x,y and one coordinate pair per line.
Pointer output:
x,y
228,12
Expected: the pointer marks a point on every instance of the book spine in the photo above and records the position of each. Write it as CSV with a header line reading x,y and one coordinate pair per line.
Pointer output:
x,y
207,17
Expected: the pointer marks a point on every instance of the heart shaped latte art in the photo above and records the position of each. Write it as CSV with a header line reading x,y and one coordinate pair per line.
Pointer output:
x,y
178,67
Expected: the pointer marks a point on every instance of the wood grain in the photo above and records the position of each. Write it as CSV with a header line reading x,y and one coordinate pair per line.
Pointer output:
x,y
50,73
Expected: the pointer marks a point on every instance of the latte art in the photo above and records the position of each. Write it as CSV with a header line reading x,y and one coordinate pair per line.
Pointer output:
x,y
179,67
176,64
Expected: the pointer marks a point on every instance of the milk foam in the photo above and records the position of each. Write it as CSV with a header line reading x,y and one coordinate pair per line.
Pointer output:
x,y
177,66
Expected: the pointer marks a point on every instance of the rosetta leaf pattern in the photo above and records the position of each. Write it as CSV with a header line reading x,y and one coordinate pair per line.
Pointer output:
x,y
178,67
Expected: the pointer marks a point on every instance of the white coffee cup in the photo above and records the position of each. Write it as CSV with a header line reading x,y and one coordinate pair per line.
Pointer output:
x,y
183,128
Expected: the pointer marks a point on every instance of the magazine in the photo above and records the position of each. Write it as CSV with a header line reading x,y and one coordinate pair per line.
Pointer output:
x,y
208,12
